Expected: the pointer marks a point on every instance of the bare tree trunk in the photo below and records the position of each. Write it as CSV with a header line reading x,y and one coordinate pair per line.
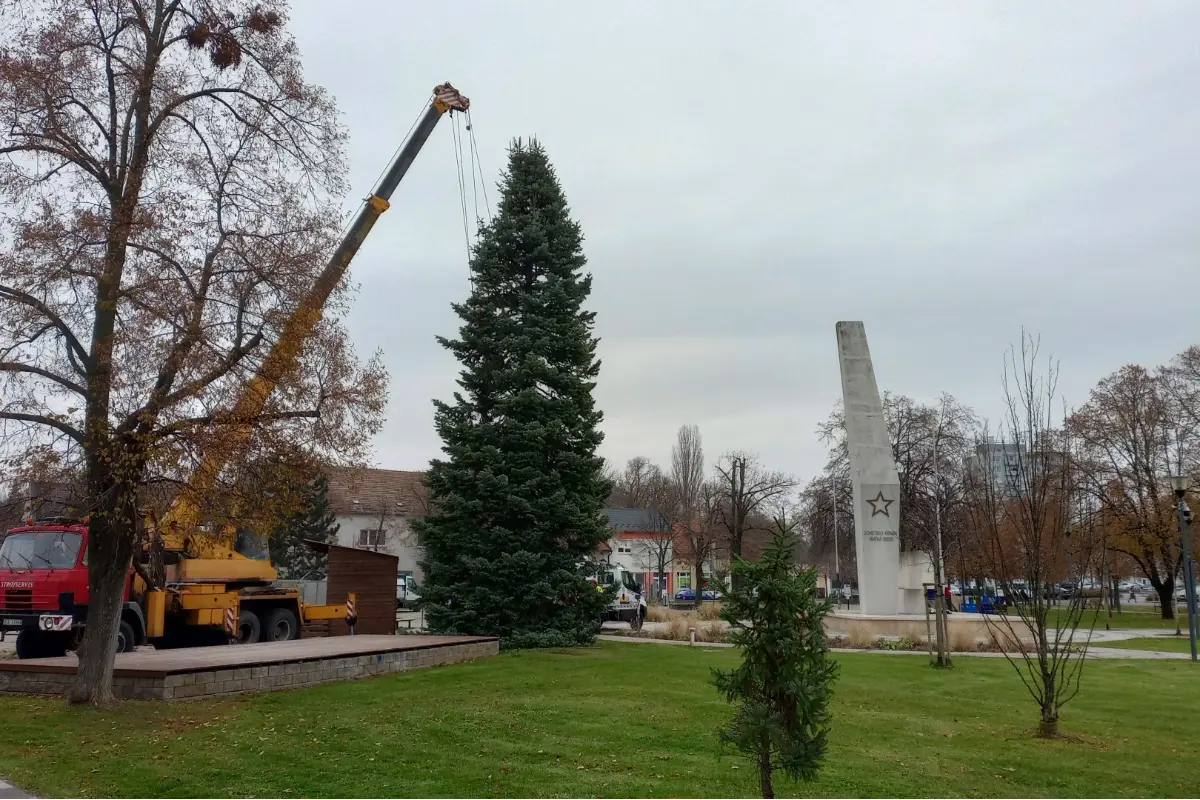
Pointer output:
x,y
941,628
1049,724
1166,597
764,773
110,552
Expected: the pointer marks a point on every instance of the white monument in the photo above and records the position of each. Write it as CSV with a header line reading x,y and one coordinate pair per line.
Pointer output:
x,y
888,582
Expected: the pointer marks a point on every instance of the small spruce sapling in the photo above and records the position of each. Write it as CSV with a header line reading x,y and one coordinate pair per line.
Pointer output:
x,y
783,686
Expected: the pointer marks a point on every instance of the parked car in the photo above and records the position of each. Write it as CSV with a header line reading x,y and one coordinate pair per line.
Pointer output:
x,y
1181,593
688,595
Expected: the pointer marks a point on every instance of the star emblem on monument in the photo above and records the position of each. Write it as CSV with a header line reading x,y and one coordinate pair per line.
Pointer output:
x,y
880,500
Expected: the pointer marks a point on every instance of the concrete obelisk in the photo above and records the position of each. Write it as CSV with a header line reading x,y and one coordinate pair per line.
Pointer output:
x,y
873,476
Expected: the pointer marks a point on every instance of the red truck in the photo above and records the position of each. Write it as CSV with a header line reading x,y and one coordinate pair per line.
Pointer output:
x,y
44,590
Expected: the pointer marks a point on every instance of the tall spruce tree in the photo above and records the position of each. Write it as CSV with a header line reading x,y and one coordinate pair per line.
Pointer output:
x,y
313,519
519,497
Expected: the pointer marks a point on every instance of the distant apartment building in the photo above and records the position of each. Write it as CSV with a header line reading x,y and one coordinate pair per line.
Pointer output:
x,y
1010,469
999,465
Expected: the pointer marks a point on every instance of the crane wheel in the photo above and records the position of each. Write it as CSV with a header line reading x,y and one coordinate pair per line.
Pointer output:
x,y
249,627
281,626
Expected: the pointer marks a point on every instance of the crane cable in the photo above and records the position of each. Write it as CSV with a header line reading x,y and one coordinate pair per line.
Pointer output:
x,y
478,184
462,187
478,167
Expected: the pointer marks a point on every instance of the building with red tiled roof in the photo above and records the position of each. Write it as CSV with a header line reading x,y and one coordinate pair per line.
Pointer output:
x,y
374,509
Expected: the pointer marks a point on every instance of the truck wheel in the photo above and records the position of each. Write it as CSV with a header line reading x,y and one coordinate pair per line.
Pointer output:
x,y
281,626
126,639
249,627
28,644
35,644
635,624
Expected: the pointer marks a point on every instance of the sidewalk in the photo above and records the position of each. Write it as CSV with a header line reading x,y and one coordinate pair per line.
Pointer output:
x,y
7,790
1094,651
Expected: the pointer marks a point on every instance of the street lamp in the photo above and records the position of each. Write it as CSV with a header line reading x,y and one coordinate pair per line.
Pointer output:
x,y
1179,484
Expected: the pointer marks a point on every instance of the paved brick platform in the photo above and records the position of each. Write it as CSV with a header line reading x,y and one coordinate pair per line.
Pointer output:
x,y
233,669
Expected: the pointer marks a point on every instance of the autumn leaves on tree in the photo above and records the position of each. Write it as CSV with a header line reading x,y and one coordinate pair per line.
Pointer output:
x,y
170,190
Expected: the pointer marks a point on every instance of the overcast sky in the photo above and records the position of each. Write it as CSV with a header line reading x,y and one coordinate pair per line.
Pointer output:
x,y
747,174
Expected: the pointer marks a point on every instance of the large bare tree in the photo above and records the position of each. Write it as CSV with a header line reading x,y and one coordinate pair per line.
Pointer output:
x,y
638,485
1136,429
747,493
168,194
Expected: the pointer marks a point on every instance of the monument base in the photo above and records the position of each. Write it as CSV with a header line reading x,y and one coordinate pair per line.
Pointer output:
x,y
966,631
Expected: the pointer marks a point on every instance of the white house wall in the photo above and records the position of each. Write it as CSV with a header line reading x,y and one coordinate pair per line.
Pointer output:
x,y
399,540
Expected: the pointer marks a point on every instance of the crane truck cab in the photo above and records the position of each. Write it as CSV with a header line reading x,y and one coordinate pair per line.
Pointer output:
x,y
628,603
44,590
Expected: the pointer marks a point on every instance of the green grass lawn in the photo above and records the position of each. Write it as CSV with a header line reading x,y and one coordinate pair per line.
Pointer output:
x,y
1129,617
616,720
1173,644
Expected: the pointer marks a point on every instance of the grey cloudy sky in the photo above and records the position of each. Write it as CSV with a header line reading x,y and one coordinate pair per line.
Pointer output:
x,y
749,173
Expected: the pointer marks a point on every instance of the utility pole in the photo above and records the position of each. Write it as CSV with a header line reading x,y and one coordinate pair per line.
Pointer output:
x,y
939,602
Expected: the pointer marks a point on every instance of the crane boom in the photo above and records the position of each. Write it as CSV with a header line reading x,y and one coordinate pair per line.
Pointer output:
x,y
183,516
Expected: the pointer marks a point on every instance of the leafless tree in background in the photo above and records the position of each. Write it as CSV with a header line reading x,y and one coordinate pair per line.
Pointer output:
x,y
690,506
1029,531
826,508
656,554
639,485
687,468
747,492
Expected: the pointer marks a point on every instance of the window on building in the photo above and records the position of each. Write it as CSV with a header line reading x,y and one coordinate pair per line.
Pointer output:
x,y
683,580
370,538
624,547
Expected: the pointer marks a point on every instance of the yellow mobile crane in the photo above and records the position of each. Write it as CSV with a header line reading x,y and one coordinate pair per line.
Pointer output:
x,y
207,591
210,583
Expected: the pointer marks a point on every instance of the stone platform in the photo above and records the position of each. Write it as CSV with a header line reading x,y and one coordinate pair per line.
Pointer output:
x,y
232,669
966,631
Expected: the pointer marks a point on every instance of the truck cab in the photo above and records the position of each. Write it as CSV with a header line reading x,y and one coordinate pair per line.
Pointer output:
x,y
44,589
628,603
406,591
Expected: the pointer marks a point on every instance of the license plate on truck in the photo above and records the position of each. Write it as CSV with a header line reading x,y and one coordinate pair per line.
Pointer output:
x,y
14,622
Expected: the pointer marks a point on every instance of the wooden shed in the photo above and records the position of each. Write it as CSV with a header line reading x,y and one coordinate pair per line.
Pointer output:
x,y
372,577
